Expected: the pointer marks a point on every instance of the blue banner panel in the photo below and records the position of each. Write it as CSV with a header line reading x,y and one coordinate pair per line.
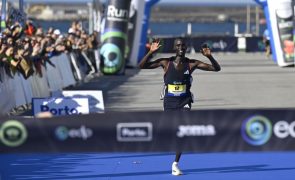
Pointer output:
x,y
145,24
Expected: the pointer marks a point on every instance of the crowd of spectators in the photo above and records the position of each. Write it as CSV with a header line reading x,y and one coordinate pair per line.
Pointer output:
x,y
25,48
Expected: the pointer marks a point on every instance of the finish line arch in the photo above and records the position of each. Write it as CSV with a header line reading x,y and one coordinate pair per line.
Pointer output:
x,y
280,23
282,39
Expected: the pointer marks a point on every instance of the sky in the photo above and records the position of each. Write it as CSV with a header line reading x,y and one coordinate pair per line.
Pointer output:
x,y
162,2
210,2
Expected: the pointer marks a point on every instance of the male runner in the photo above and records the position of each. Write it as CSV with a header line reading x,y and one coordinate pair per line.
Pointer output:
x,y
177,78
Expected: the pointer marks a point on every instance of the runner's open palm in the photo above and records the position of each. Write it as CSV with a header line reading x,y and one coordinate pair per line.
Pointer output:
x,y
155,46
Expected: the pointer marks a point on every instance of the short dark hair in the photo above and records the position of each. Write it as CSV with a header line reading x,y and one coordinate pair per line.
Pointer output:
x,y
179,39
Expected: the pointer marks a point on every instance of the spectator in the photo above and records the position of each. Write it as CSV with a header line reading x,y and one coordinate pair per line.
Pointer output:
x,y
266,41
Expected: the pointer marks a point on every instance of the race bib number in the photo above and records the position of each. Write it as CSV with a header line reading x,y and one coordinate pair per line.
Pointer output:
x,y
176,89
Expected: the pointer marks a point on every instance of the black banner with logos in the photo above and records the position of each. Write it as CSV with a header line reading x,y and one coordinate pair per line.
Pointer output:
x,y
195,131
255,44
167,44
217,44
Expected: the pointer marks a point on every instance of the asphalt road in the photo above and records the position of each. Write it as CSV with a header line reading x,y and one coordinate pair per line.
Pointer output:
x,y
245,81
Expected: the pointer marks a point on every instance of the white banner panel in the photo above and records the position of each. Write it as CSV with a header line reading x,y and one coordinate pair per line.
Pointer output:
x,y
60,106
282,25
95,98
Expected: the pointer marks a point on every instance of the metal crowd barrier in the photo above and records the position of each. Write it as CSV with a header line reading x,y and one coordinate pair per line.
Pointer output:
x,y
67,70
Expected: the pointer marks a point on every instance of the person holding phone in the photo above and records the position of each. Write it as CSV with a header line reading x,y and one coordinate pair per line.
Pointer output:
x,y
177,78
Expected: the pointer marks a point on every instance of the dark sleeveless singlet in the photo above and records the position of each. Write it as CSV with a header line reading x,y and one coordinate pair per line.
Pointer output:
x,y
178,84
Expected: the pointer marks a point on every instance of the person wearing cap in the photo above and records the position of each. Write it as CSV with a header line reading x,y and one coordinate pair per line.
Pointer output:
x,y
56,34
178,71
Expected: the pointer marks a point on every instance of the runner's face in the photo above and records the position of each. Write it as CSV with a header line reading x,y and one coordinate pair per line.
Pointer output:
x,y
180,48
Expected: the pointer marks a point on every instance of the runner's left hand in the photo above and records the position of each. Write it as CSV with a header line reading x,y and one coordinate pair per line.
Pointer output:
x,y
206,51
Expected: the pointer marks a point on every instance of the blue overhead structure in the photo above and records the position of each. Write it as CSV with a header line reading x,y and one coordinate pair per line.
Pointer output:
x,y
263,4
4,12
145,24
3,15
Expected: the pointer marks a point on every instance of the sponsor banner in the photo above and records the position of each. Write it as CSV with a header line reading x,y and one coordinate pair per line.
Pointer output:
x,y
255,44
63,133
217,44
114,37
60,106
198,131
13,133
140,131
280,17
95,99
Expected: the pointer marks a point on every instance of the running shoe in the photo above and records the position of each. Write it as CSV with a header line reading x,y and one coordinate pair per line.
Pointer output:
x,y
175,169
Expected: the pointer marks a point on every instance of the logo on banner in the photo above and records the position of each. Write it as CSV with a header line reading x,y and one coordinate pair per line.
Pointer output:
x,y
61,106
112,57
115,14
195,130
13,133
217,44
62,133
142,131
256,130
284,129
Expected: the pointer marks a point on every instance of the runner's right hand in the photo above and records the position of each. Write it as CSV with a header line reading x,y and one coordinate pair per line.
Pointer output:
x,y
155,45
